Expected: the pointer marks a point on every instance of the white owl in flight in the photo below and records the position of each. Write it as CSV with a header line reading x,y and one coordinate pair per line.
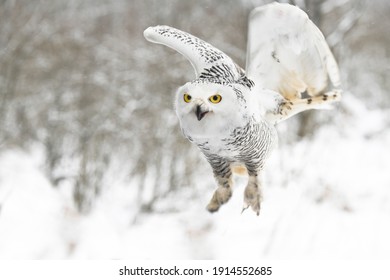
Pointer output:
x,y
230,114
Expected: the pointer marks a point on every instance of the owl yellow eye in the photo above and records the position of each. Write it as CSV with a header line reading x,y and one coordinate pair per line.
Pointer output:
x,y
187,98
215,99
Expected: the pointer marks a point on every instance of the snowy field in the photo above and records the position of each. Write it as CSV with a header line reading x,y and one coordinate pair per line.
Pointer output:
x,y
325,197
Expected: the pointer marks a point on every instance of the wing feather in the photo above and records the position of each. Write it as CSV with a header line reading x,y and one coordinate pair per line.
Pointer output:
x,y
287,53
207,61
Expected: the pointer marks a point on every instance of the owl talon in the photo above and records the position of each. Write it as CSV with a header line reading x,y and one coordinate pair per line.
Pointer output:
x,y
255,208
252,196
246,206
254,204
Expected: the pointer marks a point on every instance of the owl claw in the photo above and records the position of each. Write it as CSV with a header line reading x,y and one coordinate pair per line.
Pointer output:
x,y
246,206
255,205
252,197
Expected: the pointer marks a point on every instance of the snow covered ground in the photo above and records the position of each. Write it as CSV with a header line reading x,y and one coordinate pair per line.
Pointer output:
x,y
325,197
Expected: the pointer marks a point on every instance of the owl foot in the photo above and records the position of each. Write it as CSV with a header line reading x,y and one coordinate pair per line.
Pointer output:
x,y
244,207
220,196
252,198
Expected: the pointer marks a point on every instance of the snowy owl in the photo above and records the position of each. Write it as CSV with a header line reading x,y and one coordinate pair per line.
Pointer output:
x,y
230,114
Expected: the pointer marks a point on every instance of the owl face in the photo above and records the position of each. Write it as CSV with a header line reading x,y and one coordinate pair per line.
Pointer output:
x,y
208,110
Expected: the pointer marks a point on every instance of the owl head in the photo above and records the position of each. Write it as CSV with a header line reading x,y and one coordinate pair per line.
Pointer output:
x,y
217,100
207,109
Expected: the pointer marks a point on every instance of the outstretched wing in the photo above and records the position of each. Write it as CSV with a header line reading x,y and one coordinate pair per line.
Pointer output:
x,y
287,53
208,61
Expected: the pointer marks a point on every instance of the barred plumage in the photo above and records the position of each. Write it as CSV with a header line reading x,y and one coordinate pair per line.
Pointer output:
x,y
249,145
229,114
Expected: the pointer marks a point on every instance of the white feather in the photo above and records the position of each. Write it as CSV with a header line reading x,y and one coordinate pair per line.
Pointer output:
x,y
287,53
201,55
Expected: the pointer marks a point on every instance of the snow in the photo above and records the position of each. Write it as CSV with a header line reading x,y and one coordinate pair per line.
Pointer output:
x,y
31,210
327,196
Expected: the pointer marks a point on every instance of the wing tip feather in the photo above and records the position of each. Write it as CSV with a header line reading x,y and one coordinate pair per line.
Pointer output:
x,y
151,33
282,8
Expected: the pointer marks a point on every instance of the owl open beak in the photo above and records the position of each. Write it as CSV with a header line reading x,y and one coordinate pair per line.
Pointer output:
x,y
200,113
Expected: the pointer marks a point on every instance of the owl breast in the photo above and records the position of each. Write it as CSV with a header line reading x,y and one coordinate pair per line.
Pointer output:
x,y
250,145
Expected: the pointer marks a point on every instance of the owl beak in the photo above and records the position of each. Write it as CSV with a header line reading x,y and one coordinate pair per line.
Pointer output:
x,y
200,113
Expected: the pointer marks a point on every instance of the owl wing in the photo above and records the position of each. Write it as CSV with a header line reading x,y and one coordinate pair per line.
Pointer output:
x,y
208,61
287,53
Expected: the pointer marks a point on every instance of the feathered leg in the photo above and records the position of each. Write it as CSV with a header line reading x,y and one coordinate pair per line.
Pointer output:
x,y
223,176
252,194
